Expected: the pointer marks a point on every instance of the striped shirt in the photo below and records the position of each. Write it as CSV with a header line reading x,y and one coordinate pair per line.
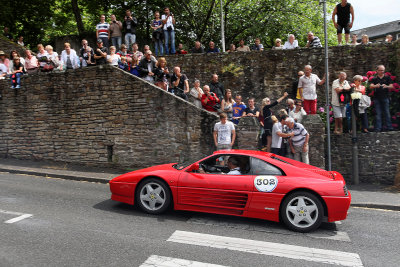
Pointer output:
x,y
300,134
102,29
315,42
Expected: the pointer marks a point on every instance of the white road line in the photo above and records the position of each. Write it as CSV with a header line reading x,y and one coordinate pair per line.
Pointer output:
x,y
161,261
239,224
267,248
20,217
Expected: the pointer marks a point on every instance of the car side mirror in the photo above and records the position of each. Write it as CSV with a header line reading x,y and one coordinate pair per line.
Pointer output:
x,y
195,167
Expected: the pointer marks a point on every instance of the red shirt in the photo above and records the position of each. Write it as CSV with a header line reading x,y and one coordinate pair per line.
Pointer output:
x,y
212,100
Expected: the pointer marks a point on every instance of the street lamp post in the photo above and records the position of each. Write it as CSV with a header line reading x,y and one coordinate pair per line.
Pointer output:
x,y
328,130
222,29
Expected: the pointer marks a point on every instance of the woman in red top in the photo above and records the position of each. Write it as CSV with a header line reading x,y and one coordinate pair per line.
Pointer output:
x,y
208,100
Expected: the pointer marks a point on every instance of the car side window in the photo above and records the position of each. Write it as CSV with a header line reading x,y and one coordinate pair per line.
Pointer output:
x,y
260,167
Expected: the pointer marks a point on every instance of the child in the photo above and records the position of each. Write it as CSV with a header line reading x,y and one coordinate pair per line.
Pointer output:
x,y
16,72
122,64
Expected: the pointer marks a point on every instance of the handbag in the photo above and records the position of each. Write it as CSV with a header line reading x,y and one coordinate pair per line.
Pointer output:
x,y
47,68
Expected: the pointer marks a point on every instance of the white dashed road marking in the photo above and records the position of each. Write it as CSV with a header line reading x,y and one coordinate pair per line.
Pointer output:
x,y
267,248
238,224
20,215
161,261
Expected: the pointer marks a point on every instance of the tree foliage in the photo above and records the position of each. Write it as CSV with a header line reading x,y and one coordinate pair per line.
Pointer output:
x,y
42,21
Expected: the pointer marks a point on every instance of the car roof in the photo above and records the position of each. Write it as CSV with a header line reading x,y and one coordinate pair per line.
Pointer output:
x,y
244,152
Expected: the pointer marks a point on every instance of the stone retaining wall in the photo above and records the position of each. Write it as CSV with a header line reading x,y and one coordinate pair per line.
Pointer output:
x,y
100,115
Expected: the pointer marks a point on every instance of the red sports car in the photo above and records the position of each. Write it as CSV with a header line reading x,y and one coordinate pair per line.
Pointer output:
x,y
242,183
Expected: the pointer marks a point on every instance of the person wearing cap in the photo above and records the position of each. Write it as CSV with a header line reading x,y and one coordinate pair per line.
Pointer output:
x,y
4,60
100,54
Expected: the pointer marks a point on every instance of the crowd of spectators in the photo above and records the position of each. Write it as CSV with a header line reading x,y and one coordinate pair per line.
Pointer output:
x,y
282,133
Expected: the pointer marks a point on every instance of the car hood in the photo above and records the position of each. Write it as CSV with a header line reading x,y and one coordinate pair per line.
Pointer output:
x,y
152,169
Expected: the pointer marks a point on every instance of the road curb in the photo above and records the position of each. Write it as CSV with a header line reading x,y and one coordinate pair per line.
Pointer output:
x,y
376,206
61,176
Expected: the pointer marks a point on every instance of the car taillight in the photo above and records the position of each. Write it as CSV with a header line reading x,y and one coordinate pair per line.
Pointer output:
x,y
346,192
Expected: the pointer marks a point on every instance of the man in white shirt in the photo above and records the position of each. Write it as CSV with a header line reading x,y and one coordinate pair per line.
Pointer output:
x,y
292,43
224,133
308,90
233,165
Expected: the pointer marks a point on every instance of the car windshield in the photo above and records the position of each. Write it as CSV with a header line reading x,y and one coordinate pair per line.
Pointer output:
x,y
183,163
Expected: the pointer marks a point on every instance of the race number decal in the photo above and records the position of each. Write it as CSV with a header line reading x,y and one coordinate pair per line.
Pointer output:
x,y
265,183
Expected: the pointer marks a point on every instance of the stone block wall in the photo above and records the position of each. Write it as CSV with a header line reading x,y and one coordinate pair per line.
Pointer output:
x,y
7,46
100,115
378,154
271,72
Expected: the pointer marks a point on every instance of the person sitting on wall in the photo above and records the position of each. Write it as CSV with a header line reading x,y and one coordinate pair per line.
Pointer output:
x,y
100,54
197,49
354,39
123,64
257,46
209,100
180,50
212,48
242,47
291,43
161,74
313,41
16,72
146,67
31,62
86,54
180,83
69,58
365,40
278,44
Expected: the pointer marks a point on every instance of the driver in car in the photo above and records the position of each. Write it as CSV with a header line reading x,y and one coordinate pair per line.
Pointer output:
x,y
233,165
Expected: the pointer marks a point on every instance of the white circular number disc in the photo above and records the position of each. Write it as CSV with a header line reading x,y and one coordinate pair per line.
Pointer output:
x,y
265,183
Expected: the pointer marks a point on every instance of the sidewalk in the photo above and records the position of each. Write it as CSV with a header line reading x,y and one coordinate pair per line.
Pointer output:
x,y
364,195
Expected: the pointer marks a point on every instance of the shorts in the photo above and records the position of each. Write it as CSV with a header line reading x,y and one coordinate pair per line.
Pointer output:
x,y
267,132
339,112
346,29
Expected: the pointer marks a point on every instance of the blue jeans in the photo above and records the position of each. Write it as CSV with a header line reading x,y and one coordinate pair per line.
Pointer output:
x,y
17,80
158,46
382,108
130,39
116,41
105,41
167,36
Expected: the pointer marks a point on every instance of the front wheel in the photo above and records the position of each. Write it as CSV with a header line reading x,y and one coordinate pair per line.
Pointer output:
x,y
302,212
153,196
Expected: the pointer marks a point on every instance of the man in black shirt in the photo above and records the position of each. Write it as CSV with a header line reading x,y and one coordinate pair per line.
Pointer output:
x,y
343,11
381,85
180,83
100,54
216,87
197,48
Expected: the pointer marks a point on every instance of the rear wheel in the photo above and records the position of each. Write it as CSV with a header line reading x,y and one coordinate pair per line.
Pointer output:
x,y
153,196
302,212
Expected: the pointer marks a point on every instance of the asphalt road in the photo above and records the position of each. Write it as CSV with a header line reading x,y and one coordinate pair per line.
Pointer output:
x,y
76,224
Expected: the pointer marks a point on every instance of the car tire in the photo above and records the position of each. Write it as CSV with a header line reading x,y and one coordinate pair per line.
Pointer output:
x,y
302,211
153,196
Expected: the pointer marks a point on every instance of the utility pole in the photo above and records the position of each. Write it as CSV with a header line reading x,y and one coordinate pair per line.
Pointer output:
x,y
222,28
328,127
